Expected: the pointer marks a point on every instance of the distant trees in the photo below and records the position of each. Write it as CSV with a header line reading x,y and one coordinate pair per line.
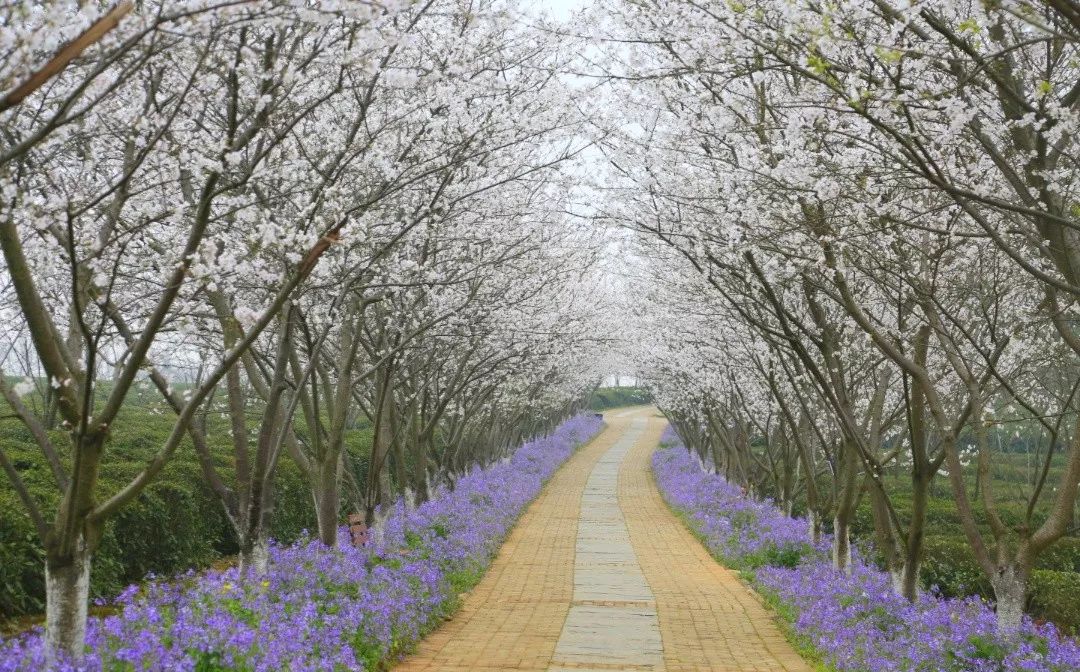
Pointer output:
x,y
880,198
294,216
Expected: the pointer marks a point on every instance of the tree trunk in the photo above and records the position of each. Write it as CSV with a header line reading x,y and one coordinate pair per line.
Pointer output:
x,y
419,470
68,556
255,555
67,596
386,492
400,477
807,458
1010,590
789,476
814,521
717,455
845,510
254,536
909,579
916,534
841,547
903,570
255,542
329,500
378,485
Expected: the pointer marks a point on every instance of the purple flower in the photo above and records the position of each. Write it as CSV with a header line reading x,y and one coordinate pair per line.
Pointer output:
x,y
856,622
319,608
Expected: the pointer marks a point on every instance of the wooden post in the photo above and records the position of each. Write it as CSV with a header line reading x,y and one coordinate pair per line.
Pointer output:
x,y
358,530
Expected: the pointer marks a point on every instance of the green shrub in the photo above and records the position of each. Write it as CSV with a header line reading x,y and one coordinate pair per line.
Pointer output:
x,y
613,397
176,524
22,576
1055,596
862,525
949,564
294,512
787,556
1063,556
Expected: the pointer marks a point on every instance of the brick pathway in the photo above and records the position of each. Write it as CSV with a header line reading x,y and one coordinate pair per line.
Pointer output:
x,y
599,576
709,620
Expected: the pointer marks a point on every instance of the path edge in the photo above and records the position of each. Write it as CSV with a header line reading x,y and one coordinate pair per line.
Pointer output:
x,y
455,603
770,603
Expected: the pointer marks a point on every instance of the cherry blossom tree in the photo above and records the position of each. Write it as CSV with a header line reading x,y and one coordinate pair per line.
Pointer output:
x,y
172,175
877,189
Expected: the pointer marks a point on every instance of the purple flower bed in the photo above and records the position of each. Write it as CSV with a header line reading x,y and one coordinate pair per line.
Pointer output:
x,y
324,609
742,531
857,622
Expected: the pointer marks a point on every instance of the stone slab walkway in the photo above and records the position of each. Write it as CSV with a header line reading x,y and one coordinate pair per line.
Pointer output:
x,y
599,575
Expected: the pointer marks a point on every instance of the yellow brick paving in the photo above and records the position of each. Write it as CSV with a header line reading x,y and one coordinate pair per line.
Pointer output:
x,y
709,619
513,619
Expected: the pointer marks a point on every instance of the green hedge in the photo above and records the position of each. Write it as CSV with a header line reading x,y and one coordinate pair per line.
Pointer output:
x,y
613,397
175,525
1063,556
949,564
1055,596
1054,591
941,514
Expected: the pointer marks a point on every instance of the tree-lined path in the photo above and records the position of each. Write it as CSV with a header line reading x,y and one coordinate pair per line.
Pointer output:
x,y
303,303
600,575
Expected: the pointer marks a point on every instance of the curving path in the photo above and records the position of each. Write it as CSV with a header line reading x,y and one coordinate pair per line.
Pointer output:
x,y
599,575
